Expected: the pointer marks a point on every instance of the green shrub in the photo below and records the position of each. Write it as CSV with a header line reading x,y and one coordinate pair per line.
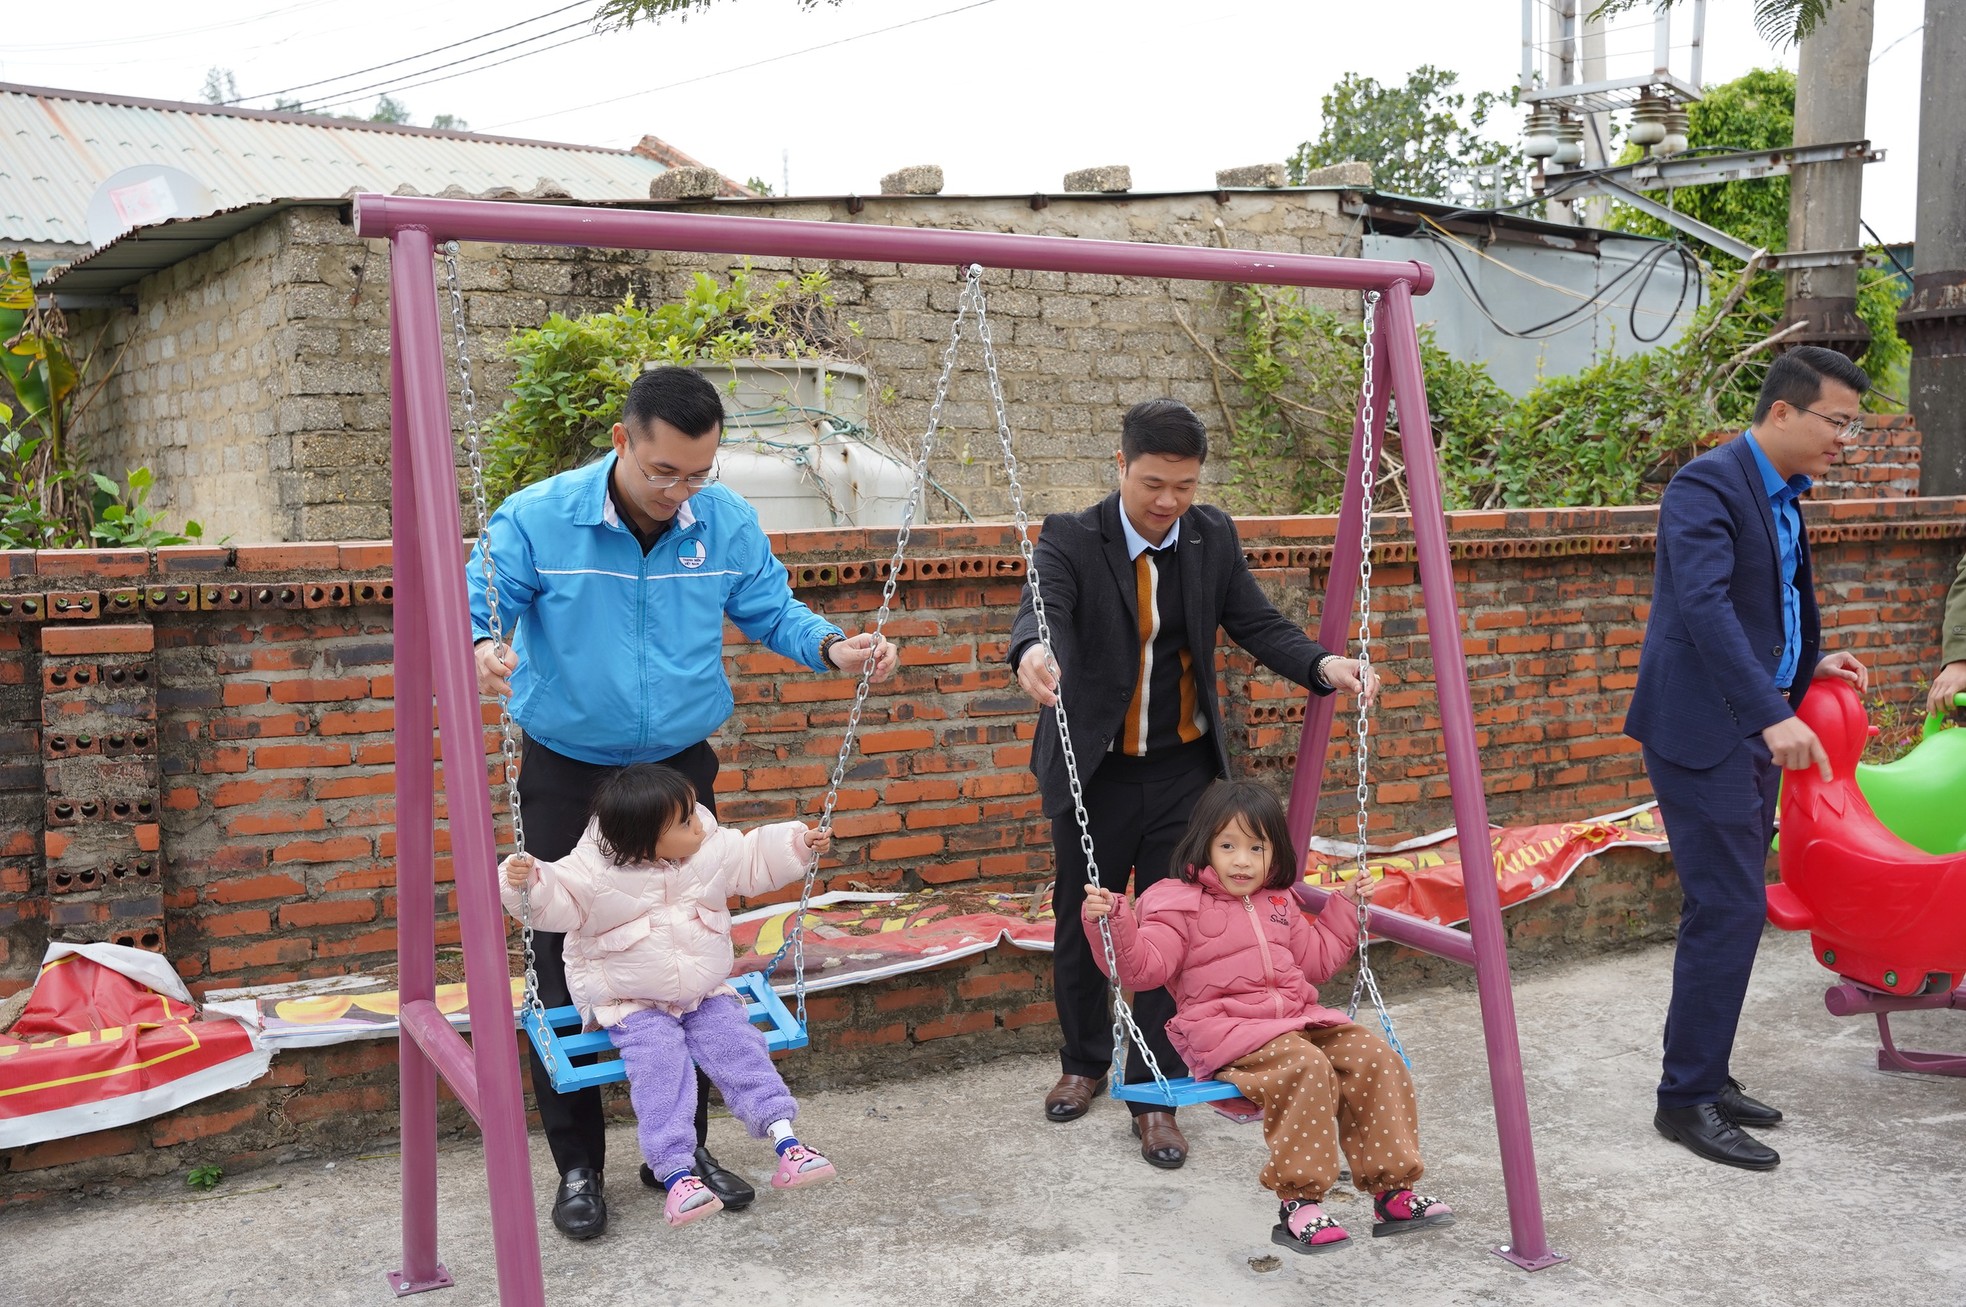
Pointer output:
x,y
574,372
1611,434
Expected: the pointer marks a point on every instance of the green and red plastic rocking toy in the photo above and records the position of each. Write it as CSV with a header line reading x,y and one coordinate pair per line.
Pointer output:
x,y
1882,897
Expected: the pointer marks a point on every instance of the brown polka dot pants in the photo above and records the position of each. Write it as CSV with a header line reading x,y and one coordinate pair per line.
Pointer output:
x,y
1325,1089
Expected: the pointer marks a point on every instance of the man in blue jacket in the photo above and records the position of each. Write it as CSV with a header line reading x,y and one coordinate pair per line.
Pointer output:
x,y
1730,649
613,584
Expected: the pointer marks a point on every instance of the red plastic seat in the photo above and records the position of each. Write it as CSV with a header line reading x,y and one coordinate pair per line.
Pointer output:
x,y
1878,911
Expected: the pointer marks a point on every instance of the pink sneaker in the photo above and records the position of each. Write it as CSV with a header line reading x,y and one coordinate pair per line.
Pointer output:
x,y
689,1199
1303,1227
799,1165
1401,1211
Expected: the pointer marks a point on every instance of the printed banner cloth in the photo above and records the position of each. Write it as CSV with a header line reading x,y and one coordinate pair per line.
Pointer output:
x,y
1422,877
110,1036
855,938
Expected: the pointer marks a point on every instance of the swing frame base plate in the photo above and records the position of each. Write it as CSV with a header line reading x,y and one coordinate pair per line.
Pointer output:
x,y
404,1286
1547,1260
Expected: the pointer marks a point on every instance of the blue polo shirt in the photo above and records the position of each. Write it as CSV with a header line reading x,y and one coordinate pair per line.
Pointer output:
x,y
1788,544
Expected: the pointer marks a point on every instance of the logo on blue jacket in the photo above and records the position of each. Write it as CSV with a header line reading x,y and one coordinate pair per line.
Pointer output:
x,y
692,554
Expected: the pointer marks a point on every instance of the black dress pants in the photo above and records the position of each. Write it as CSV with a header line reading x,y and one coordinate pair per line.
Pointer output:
x,y
555,793
1138,811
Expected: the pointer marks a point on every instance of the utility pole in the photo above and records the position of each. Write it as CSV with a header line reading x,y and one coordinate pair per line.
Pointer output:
x,y
1565,54
1597,126
1826,199
1933,320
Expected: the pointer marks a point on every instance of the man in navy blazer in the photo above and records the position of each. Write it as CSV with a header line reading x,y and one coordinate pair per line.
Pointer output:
x,y
1730,648
1135,588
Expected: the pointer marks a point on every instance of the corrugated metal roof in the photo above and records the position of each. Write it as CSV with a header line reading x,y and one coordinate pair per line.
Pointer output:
x,y
143,250
57,146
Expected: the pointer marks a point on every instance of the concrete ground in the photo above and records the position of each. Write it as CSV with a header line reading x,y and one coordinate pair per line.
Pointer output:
x,y
953,1188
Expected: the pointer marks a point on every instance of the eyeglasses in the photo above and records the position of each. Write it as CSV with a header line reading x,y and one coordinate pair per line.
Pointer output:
x,y
1849,430
695,483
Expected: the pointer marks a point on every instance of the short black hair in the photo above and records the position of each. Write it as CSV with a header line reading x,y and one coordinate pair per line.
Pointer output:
x,y
1259,810
636,805
1797,375
682,397
1163,426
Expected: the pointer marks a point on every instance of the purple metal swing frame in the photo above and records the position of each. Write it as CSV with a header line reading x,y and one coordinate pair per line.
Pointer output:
x,y
433,661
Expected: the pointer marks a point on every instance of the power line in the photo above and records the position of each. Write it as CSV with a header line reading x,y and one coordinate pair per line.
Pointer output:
x,y
397,83
1885,245
1563,322
759,63
338,100
264,95
1895,44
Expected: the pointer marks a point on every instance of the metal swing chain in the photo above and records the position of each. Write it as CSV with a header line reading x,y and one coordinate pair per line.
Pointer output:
x,y
1123,1023
796,940
1365,983
507,734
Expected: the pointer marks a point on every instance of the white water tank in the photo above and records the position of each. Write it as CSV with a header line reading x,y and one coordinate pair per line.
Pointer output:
x,y
795,445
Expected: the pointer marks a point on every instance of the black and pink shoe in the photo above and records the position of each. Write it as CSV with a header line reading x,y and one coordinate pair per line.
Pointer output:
x,y
1401,1211
1304,1228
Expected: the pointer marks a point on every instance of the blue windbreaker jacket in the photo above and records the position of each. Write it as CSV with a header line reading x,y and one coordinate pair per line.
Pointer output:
x,y
621,653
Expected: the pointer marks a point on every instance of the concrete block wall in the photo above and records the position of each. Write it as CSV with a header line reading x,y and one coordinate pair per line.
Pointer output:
x,y
199,386
255,379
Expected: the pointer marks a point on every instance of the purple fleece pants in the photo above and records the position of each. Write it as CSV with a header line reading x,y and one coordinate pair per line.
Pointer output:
x,y
661,1053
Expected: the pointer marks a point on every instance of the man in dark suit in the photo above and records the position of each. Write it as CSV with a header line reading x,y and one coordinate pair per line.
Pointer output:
x,y
1729,651
1134,589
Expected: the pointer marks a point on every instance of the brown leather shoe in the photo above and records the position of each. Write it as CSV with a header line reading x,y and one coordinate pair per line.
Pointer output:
x,y
1071,1096
1161,1141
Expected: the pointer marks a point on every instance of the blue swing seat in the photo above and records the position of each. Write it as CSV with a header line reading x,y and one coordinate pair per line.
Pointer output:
x,y
1180,1093
558,1051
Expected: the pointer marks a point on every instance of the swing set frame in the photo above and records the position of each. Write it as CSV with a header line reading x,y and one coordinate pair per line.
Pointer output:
x,y
433,662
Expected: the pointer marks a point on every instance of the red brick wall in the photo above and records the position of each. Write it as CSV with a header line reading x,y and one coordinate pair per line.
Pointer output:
x,y
259,734
1883,464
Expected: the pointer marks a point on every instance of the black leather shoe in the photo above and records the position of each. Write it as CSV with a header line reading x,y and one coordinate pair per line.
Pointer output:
x,y
1744,1111
579,1209
1705,1130
727,1185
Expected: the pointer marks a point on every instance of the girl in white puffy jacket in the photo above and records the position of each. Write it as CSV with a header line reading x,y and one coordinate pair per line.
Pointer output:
x,y
642,899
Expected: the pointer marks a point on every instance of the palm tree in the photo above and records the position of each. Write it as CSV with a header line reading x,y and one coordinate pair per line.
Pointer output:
x,y
1780,22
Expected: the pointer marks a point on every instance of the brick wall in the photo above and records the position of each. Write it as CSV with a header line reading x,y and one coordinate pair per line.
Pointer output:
x,y
1882,464
255,376
267,703
248,740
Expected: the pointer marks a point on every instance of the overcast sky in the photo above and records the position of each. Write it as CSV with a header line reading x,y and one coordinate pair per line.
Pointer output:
x,y
1006,95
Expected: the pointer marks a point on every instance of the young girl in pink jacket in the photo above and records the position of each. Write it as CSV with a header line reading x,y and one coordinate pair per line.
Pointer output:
x,y
1231,945
642,899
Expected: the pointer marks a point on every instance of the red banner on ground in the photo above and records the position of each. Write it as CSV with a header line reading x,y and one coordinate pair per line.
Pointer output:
x,y
108,1037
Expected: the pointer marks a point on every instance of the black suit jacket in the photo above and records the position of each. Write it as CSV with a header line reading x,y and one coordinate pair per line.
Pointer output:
x,y
1093,613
